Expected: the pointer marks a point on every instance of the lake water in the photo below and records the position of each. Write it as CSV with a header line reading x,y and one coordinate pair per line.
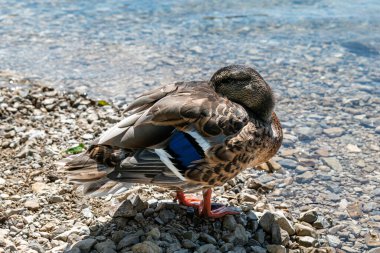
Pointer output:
x,y
117,48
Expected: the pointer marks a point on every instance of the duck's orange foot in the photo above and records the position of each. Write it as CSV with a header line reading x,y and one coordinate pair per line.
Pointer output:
x,y
204,206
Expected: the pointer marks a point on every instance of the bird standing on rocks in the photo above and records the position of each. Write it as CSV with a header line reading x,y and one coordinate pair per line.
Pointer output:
x,y
186,136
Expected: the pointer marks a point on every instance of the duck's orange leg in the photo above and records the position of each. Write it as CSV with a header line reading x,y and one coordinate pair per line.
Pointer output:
x,y
204,206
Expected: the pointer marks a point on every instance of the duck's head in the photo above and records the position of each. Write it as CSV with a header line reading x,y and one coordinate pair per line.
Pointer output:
x,y
243,85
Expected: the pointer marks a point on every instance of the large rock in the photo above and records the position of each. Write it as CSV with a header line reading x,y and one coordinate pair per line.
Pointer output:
x,y
85,245
309,216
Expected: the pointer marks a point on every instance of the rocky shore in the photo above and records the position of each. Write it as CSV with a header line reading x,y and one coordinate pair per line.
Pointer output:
x,y
319,194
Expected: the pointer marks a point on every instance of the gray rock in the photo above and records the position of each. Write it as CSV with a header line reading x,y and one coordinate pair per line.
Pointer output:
x,y
56,199
106,246
128,240
138,204
334,241
146,247
85,245
241,237
154,233
188,244
310,216
166,215
307,241
191,235
288,163
269,218
333,163
305,177
305,133
125,209
226,247
334,132
207,248
229,222
208,238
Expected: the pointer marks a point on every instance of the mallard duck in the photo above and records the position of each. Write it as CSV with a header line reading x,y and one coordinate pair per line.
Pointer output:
x,y
187,136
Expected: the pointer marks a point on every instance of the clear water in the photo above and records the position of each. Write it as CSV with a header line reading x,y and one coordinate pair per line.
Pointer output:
x,y
117,48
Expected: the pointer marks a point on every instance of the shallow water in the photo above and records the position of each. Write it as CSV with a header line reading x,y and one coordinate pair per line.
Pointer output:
x,y
117,48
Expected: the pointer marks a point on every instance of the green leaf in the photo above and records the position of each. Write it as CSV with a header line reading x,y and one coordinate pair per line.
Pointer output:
x,y
103,103
75,150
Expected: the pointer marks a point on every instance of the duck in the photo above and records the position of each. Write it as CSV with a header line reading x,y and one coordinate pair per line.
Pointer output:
x,y
186,137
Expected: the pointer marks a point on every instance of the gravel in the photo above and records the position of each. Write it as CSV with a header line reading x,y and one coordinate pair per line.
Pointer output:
x,y
310,196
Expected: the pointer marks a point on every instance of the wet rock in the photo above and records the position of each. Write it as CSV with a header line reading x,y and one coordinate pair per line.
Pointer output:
x,y
191,235
241,237
166,215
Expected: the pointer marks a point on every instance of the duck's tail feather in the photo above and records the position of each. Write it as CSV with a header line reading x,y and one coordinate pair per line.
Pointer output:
x,y
90,170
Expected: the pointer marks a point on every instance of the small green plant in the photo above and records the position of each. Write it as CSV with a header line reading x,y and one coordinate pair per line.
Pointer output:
x,y
75,150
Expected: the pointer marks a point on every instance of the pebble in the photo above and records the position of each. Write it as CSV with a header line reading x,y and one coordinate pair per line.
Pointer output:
x,y
333,163
334,241
353,148
334,132
32,204
309,216
85,245
128,240
146,247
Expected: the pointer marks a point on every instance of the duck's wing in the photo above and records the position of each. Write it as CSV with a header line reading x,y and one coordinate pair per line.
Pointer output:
x,y
167,131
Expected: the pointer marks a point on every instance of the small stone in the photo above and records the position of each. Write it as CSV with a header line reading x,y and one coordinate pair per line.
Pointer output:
x,y
85,245
229,222
56,199
125,209
272,248
333,163
334,241
106,246
154,233
288,163
353,148
32,205
334,132
304,230
146,247
241,237
258,249
128,240
87,213
208,238
269,218
139,218
138,204
372,239
191,235
207,248
186,243
310,216
166,215
307,241
305,177
227,247
355,210
87,136
40,188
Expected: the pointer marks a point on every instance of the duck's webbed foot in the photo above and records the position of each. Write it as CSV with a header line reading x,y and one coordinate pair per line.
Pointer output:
x,y
204,206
